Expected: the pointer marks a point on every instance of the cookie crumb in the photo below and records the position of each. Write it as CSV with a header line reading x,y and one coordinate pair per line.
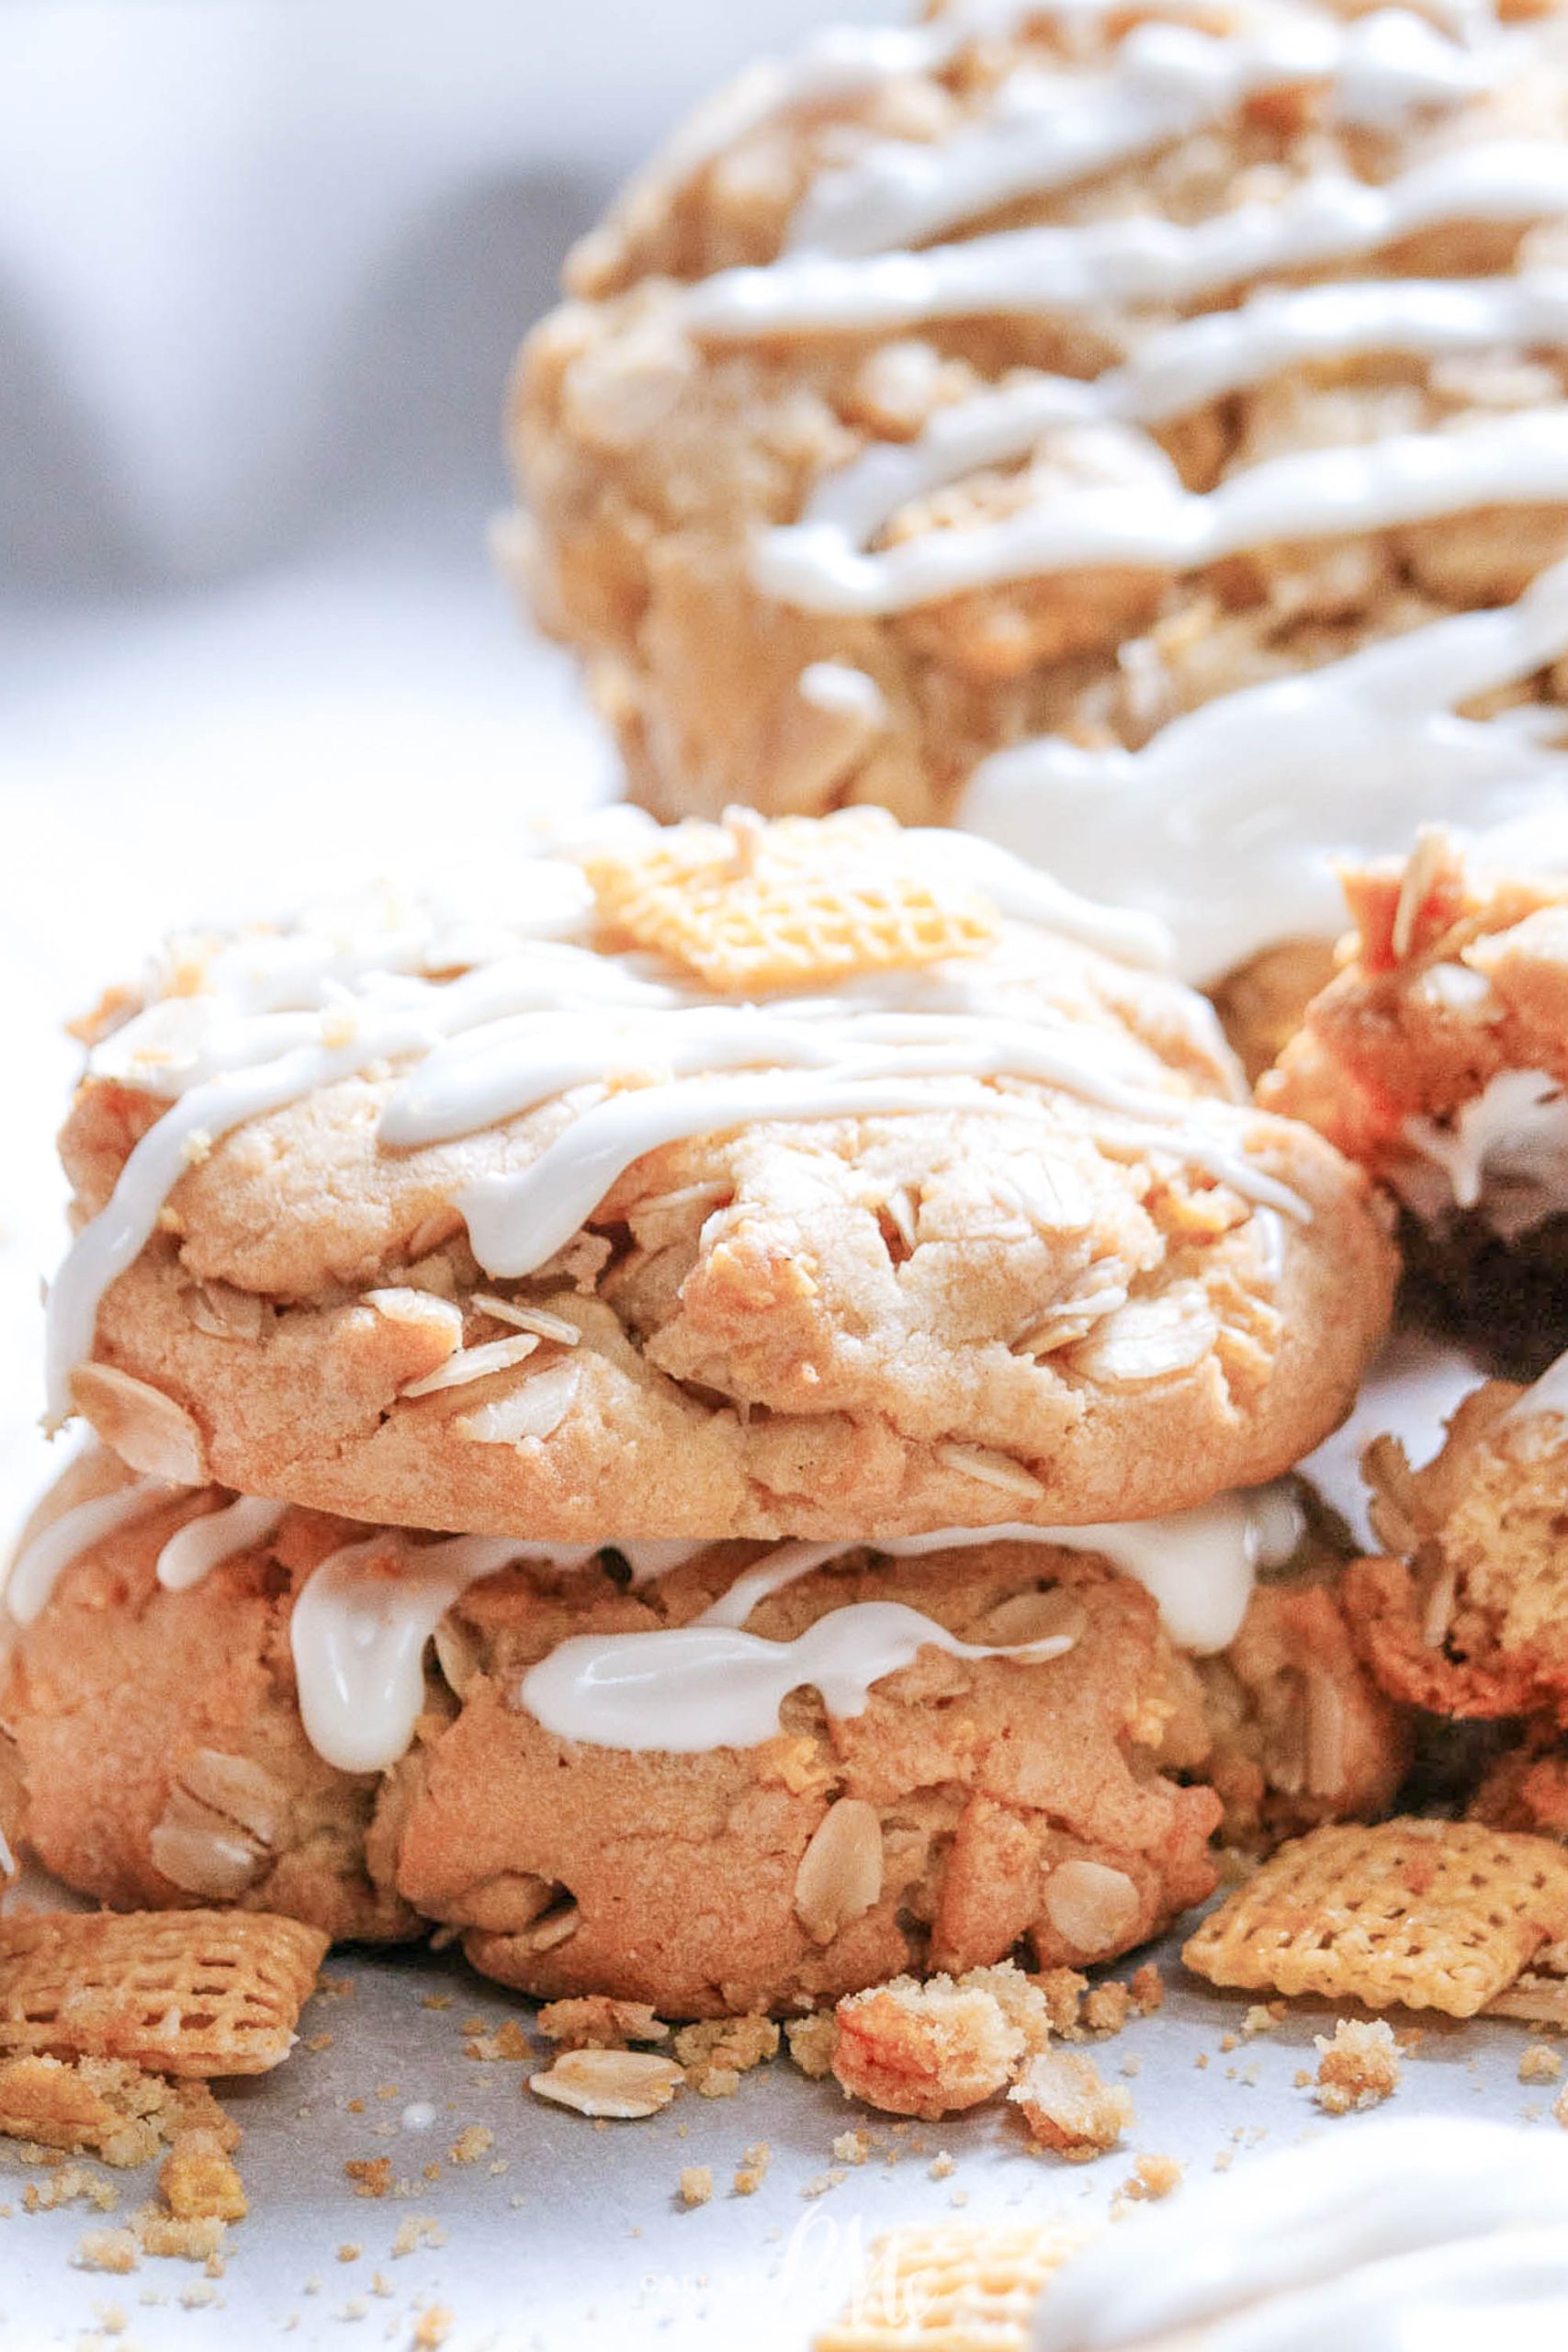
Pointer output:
x,y
199,2181
1540,2064
113,2251
1359,2068
1152,2176
717,2052
432,2328
596,2022
420,2229
697,2185
470,2145
851,2147
752,2169
941,2164
811,2044
371,2176
1068,2108
1262,2018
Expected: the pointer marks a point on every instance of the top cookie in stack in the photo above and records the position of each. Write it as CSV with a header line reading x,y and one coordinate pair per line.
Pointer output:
x,y
1136,430
807,1179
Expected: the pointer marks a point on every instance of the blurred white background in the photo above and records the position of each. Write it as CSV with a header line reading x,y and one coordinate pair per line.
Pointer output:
x,y
263,267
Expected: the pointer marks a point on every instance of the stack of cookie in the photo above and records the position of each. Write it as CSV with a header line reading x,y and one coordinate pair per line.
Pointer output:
x,y
709,1425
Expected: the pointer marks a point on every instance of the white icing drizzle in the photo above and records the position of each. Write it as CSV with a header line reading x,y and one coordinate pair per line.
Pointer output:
x,y
1200,1565
39,1565
682,1689
202,1545
711,1684
1150,521
1037,272
1392,2235
1046,131
1504,1152
1182,368
541,1016
1225,824
359,1628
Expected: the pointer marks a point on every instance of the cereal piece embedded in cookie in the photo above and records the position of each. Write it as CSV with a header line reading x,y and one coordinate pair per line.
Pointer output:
x,y
1067,2107
925,2050
196,1993
1358,2067
751,905
1423,1914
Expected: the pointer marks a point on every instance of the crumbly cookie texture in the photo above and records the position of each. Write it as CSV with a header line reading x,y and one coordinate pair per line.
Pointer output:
x,y
1438,1057
913,1318
157,1745
1466,1615
1303,1732
973,1805
155,1741
1453,979
654,449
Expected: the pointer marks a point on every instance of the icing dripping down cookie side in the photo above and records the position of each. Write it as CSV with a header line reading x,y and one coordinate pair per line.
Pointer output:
x,y
1365,750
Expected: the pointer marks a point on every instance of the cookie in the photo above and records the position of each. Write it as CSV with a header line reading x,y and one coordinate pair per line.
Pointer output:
x,y
1466,1615
710,1777
530,1226
152,1737
961,381
1438,1056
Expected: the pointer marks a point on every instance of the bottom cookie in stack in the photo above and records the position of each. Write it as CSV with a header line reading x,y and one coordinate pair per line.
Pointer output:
x,y
717,1777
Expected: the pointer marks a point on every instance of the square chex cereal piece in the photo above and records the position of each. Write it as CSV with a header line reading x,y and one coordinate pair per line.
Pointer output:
x,y
951,2289
185,1992
801,902
1435,1914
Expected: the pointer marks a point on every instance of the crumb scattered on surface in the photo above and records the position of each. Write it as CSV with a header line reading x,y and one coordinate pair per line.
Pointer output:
x,y
1359,2068
1538,2062
697,2185
851,2148
752,2169
420,2229
432,2328
1152,2176
1067,2107
596,2022
198,2181
470,2145
718,2051
371,2176
811,2044
114,2252
508,2042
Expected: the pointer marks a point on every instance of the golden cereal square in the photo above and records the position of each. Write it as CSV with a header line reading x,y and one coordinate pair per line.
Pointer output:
x,y
185,1992
798,902
1423,1914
